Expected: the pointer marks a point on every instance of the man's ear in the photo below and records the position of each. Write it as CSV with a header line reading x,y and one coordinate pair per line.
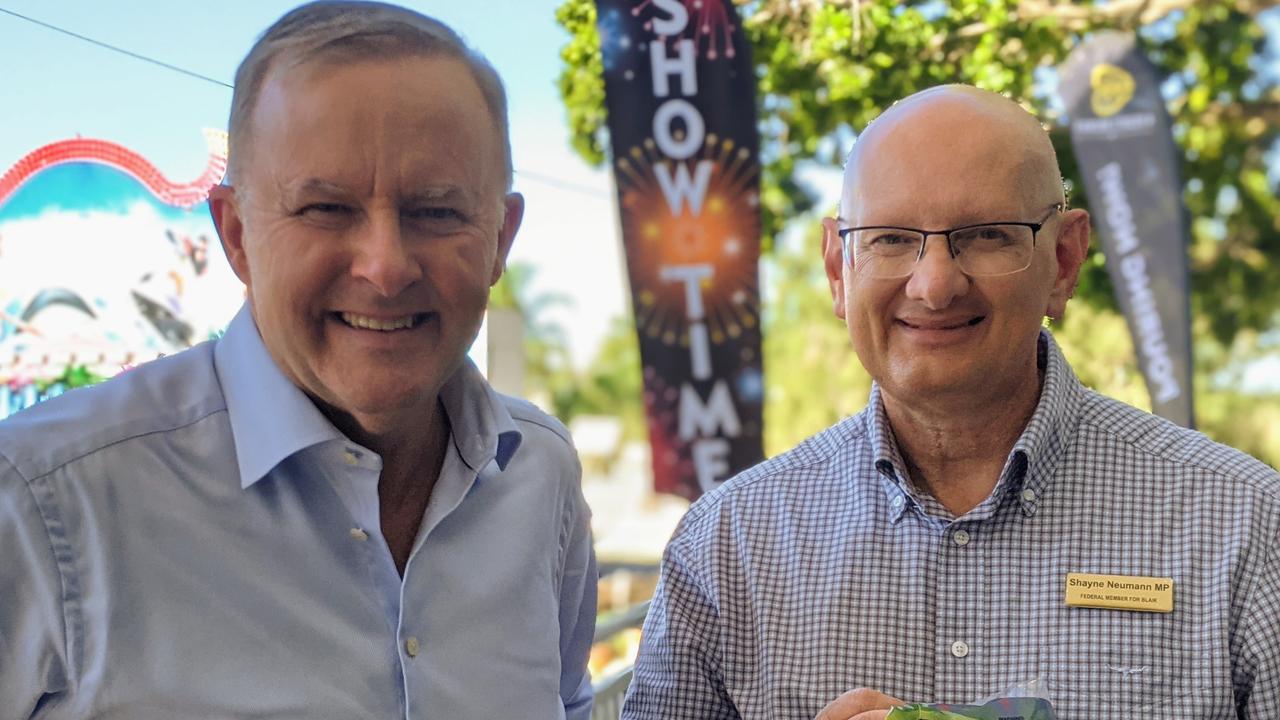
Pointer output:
x,y
833,260
227,220
513,213
1071,248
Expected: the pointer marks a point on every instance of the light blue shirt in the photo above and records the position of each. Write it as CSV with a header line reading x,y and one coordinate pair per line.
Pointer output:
x,y
195,540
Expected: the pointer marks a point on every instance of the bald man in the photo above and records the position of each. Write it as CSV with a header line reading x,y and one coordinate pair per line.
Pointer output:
x,y
986,522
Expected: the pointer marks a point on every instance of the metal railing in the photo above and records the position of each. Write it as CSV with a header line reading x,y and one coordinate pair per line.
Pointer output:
x,y
611,689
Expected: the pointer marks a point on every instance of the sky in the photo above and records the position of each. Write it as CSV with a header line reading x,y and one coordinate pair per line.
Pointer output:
x,y
57,87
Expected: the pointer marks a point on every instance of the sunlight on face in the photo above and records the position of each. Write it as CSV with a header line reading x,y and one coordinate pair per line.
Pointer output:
x,y
373,228
939,163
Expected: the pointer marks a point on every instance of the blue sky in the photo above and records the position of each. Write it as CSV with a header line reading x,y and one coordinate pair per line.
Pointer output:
x,y
57,87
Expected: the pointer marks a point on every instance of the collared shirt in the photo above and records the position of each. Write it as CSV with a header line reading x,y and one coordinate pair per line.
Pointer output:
x,y
195,540
825,569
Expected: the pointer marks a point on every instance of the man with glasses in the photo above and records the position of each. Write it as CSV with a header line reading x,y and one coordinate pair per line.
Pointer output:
x,y
987,525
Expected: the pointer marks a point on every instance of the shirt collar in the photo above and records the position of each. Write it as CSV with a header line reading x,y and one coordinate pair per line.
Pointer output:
x,y
1029,467
481,425
1045,439
271,418
888,461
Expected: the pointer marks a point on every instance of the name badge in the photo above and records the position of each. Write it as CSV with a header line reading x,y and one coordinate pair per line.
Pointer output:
x,y
1120,592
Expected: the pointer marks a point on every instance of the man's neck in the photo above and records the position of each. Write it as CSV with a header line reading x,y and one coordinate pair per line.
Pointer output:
x,y
412,451
955,448
405,486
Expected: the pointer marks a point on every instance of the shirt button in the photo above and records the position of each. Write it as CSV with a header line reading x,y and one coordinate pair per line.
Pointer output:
x,y
897,501
358,534
1029,495
959,648
350,457
961,537
412,646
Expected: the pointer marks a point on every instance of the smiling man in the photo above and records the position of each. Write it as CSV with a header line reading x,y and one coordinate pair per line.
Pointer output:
x,y
925,550
327,513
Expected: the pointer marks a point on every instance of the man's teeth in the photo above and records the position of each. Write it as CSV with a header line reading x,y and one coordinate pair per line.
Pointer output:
x,y
956,326
368,323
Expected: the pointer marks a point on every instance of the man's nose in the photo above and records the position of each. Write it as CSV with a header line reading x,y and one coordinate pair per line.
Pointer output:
x,y
937,279
384,256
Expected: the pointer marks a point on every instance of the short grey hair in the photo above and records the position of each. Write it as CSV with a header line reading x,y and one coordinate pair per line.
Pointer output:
x,y
347,30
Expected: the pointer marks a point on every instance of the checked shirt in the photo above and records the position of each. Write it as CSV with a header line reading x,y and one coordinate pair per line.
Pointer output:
x,y
825,569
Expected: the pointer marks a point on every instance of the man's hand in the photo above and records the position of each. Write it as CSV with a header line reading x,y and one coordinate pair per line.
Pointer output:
x,y
860,704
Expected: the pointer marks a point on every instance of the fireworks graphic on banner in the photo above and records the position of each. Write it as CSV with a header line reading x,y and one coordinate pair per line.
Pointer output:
x,y
722,236
671,459
710,25
615,43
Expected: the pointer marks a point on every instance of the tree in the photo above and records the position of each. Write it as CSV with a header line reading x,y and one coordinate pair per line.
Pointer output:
x,y
546,345
611,384
826,68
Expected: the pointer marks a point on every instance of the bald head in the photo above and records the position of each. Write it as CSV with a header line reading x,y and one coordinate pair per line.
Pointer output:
x,y
950,144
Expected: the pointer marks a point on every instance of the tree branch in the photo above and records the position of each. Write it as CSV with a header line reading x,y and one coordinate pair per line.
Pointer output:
x,y
1075,17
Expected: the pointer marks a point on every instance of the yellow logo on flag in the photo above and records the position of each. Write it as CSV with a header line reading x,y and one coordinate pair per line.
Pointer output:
x,y
1112,89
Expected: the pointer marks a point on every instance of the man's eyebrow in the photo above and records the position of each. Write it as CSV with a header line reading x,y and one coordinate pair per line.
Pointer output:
x,y
444,193
328,188
319,186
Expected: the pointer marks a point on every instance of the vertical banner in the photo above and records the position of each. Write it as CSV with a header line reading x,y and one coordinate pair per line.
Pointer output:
x,y
680,92
1121,134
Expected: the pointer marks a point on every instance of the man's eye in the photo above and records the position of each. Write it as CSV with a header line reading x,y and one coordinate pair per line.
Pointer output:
x,y
888,239
329,210
434,213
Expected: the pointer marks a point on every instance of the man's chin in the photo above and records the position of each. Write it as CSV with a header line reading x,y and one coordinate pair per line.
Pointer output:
x,y
931,381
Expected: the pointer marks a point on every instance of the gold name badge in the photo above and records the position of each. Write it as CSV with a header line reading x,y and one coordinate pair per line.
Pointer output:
x,y
1120,592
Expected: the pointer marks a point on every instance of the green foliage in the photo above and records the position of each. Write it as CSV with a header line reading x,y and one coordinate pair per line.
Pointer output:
x,y
546,346
611,384
582,81
826,69
813,379
74,376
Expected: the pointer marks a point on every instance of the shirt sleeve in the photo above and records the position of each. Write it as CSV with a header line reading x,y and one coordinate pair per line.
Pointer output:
x,y
577,612
1257,664
677,674
32,633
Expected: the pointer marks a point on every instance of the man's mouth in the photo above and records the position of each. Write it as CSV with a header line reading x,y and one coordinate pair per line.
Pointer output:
x,y
383,324
956,324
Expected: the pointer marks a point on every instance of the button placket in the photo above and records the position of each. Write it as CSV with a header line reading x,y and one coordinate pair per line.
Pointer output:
x,y
962,583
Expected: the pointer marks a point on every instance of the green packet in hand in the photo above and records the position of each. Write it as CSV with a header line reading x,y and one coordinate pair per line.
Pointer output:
x,y
1024,708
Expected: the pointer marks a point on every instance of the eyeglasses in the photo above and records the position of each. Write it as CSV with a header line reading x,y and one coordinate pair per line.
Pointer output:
x,y
986,250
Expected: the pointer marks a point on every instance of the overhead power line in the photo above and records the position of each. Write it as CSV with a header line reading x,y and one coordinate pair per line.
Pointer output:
x,y
563,185
531,175
113,48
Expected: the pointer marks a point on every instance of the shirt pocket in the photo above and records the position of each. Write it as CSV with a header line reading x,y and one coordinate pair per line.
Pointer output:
x,y
1112,664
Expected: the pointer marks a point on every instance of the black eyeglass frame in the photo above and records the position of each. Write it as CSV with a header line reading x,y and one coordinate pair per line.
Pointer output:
x,y
951,249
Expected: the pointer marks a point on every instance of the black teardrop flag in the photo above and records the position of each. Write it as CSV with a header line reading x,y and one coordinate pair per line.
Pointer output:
x,y
680,93
1121,134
